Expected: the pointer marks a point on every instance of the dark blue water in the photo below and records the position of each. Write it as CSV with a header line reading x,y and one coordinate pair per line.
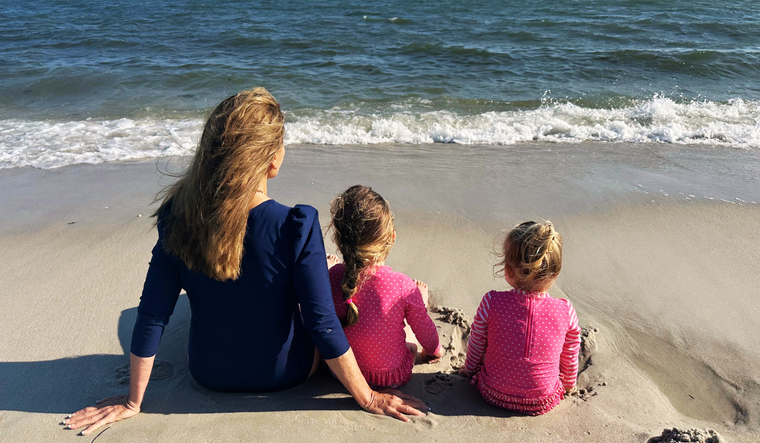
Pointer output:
x,y
392,71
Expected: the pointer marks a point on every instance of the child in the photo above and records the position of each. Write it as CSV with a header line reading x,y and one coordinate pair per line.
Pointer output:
x,y
371,300
523,348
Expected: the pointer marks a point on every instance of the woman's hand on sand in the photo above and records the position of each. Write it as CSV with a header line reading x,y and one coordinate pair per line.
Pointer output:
x,y
465,372
394,403
105,411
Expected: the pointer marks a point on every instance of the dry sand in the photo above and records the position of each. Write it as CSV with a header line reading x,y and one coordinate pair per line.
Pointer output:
x,y
668,281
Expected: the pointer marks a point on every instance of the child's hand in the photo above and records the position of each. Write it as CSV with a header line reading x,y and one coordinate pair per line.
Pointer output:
x,y
427,358
465,372
332,260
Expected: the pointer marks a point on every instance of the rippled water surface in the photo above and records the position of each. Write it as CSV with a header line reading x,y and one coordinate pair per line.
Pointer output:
x,y
99,81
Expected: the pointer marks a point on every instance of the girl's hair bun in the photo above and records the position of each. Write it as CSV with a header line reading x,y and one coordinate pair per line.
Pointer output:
x,y
533,251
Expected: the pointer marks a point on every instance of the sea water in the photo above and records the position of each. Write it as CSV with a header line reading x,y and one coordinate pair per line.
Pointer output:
x,y
94,81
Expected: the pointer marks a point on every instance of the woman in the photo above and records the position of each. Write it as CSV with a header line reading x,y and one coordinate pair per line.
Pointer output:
x,y
254,272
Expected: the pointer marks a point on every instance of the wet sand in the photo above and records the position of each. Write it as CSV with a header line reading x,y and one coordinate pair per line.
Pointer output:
x,y
661,258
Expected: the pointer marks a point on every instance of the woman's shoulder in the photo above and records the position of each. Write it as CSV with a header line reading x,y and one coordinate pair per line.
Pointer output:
x,y
303,212
303,229
275,211
301,220
270,209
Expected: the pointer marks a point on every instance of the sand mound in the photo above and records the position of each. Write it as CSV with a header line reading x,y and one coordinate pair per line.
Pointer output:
x,y
676,435
454,316
454,325
588,347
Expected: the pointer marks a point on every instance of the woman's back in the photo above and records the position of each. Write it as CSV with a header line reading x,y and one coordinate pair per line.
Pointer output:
x,y
247,334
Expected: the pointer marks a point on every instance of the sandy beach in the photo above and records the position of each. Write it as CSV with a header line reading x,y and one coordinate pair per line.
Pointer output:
x,y
661,258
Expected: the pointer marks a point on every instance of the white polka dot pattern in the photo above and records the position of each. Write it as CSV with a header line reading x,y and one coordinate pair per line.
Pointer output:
x,y
385,300
522,343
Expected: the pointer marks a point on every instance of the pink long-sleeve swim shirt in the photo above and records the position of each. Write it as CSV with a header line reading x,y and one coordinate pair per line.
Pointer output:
x,y
523,350
385,299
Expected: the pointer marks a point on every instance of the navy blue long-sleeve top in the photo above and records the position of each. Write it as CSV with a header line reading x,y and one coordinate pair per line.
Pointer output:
x,y
248,335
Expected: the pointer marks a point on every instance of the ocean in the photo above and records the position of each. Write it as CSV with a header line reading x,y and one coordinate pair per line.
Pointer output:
x,y
96,81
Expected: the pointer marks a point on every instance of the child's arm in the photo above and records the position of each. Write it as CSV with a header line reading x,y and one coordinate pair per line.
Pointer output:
x,y
422,325
568,360
476,346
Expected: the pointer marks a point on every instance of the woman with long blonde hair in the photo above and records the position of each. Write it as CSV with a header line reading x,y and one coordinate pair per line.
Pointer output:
x,y
253,269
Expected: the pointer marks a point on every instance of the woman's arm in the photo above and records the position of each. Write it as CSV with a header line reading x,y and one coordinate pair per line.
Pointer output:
x,y
393,403
160,293
312,285
118,407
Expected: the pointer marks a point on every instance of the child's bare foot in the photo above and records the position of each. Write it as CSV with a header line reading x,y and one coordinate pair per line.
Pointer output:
x,y
424,290
332,260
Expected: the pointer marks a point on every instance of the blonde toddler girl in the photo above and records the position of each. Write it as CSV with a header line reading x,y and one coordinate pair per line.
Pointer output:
x,y
523,348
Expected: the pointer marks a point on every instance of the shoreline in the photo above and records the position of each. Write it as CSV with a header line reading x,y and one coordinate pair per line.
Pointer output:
x,y
669,281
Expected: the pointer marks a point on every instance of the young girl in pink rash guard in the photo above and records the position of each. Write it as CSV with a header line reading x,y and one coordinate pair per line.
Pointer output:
x,y
371,299
523,348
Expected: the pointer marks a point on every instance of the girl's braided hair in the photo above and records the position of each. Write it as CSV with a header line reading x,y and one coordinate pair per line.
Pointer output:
x,y
362,224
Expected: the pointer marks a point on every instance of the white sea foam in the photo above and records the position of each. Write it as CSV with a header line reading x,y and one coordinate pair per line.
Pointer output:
x,y
52,144
735,124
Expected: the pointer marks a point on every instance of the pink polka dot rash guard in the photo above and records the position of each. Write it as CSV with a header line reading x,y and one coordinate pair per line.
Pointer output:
x,y
523,349
385,300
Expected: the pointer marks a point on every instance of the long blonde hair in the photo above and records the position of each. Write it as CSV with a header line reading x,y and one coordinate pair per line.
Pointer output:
x,y
206,211
534,252
362,224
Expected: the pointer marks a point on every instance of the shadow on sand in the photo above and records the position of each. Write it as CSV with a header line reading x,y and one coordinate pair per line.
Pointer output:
x,y
65,385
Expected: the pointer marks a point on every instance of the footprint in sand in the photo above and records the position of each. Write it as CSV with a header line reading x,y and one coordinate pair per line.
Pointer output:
x,y
438,383
457,361
161,371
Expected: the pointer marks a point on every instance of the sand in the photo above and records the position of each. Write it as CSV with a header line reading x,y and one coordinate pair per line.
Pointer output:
x,y
661,263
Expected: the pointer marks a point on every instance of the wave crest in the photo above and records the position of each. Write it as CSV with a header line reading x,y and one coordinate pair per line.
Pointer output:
x,y
734,124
